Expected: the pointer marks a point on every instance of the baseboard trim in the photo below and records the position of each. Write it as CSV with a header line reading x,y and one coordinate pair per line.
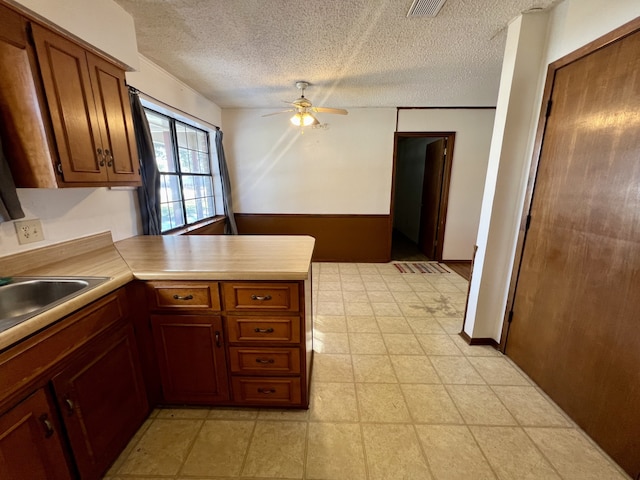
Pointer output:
x,y
479,341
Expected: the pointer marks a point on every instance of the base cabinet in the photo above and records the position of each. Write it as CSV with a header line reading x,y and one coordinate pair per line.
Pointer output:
x,y
103,401
72,395
232,343
31,445
191,358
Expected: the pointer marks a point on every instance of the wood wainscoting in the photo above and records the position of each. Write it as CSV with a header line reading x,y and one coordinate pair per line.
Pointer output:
x,y
339,238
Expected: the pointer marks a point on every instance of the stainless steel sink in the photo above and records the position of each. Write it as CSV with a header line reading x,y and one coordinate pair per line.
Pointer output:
x,y
26,297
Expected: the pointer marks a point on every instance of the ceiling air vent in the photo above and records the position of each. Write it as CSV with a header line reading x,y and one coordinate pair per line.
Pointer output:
x,y
425,8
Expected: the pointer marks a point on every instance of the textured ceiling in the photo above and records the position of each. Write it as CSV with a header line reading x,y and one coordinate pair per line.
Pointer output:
x,y
355,53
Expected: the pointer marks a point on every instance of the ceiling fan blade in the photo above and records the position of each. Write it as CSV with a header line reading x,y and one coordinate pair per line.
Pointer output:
x,y
278,113
339,111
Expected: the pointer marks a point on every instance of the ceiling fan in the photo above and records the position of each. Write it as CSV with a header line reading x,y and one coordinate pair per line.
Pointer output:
x,y
304,109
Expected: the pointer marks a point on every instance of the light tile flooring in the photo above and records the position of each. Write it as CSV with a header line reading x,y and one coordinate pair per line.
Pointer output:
x,y
396,394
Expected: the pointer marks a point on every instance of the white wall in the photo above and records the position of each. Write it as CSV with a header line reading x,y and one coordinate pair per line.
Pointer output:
x,y
347,168
344,169
473,129
101,23
569,26
159,85
74,212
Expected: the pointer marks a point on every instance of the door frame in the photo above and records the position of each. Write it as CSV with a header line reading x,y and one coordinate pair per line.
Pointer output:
x,y
605,40
446,180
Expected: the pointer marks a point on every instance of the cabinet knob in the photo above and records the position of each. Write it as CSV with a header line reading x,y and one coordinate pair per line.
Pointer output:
x,y
47,425
70,405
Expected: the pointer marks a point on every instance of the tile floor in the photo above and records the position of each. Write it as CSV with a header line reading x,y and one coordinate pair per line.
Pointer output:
x,y
396,394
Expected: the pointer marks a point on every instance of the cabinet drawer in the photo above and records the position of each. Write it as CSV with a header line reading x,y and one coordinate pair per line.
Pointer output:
x,y
266,391
183,296
260,361
281,297
264,329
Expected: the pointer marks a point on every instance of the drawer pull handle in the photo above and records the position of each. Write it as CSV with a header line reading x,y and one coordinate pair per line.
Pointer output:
x,y
264,361
186,297
267,391
263,330
261,298
48,427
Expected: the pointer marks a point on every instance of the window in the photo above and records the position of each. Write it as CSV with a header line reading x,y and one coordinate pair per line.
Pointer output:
x,y
186,178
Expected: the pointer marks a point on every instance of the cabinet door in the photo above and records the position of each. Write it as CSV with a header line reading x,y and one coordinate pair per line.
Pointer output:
x,y
114,117
67,84
191,357
25,139
30,444
103,400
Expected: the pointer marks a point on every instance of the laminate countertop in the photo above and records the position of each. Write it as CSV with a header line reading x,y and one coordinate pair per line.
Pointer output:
x,y
193,257
218,257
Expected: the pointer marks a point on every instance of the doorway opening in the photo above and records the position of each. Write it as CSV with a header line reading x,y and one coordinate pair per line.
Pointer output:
x,y
421,175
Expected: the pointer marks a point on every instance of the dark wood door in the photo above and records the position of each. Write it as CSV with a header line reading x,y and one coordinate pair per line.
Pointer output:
x,y
191,357
431,197
30,443
576,315
103,400
114,117
67,85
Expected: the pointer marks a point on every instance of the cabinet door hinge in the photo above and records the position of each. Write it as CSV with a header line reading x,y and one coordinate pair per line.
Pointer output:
x,y
528,223
549,104
510,317
59,168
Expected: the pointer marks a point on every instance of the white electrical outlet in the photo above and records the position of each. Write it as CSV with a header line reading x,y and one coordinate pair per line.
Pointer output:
x,y
29,231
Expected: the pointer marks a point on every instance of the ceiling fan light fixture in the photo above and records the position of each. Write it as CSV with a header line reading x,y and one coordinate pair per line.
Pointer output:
x,y
303,119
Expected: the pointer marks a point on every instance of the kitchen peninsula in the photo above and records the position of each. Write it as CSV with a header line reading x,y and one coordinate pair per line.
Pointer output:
x,y
199,320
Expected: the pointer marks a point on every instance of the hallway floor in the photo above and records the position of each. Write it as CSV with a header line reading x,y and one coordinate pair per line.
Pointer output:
x,y
396,394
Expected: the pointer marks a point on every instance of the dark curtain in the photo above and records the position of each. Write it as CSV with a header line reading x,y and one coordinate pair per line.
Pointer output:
x,y
149,192
230,227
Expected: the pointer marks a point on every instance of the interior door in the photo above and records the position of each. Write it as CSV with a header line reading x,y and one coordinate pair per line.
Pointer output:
x,y
431,197
576,311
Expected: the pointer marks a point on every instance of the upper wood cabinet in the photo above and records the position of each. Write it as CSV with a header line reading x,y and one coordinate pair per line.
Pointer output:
x,y
24,119
90,113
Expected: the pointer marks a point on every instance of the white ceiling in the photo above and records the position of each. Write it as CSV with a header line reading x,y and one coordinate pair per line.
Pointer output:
x,y
355,53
